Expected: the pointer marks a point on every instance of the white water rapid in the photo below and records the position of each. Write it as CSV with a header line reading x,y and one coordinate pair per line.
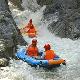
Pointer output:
x,y
65,48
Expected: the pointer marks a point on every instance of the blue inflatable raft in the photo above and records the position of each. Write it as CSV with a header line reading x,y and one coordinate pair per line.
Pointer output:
x,y
21,54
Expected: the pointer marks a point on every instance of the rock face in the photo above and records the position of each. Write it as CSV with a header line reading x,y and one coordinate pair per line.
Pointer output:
x,y
4,62
17,3
10,35
68,24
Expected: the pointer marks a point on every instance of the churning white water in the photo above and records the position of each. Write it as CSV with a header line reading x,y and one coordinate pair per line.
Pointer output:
x,y
65,48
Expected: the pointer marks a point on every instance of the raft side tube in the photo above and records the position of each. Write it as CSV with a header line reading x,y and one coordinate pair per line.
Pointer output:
x,y
31,35
54,62
21,54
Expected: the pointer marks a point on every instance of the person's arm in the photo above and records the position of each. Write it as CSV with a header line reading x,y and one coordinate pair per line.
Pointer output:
x,y
27,26
28,30
27,49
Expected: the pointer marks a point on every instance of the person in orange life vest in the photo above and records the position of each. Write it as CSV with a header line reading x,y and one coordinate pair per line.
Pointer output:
x,y
25,29
29,25
31,31
32,49
48,54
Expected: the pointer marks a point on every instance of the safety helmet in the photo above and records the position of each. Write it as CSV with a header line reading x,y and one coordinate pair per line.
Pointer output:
x,y
47,46
34,41
30,20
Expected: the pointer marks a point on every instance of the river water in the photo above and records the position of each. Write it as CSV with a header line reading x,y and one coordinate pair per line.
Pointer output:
x,y
64,47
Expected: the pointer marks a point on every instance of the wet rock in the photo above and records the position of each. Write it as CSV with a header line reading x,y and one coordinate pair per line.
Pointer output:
x,y
2,45
68,23
10,35
3,62
17,3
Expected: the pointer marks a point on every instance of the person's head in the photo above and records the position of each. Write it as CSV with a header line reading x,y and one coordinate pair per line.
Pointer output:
x,y
34,42
30,21
47,47
31,26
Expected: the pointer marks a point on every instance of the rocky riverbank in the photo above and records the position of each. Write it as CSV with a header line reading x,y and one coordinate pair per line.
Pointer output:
x,y
10,35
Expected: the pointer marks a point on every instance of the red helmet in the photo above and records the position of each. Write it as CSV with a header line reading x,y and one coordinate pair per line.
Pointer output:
x,y
47,46
34,41
30,20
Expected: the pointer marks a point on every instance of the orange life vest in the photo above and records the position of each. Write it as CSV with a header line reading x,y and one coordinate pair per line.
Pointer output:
x,y
32,51
31,30
29,25
49,54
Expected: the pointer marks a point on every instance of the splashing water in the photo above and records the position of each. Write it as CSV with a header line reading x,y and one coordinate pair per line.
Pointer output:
x,y
30,5
65,48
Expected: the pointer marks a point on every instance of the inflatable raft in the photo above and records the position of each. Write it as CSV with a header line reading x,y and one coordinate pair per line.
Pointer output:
x,y
21,54
31,35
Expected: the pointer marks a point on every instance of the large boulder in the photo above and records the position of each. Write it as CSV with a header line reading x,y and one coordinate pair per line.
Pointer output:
x,y
10,35
68,21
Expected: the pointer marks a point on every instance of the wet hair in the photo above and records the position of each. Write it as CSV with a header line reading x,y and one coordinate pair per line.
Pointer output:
x,y
47,46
